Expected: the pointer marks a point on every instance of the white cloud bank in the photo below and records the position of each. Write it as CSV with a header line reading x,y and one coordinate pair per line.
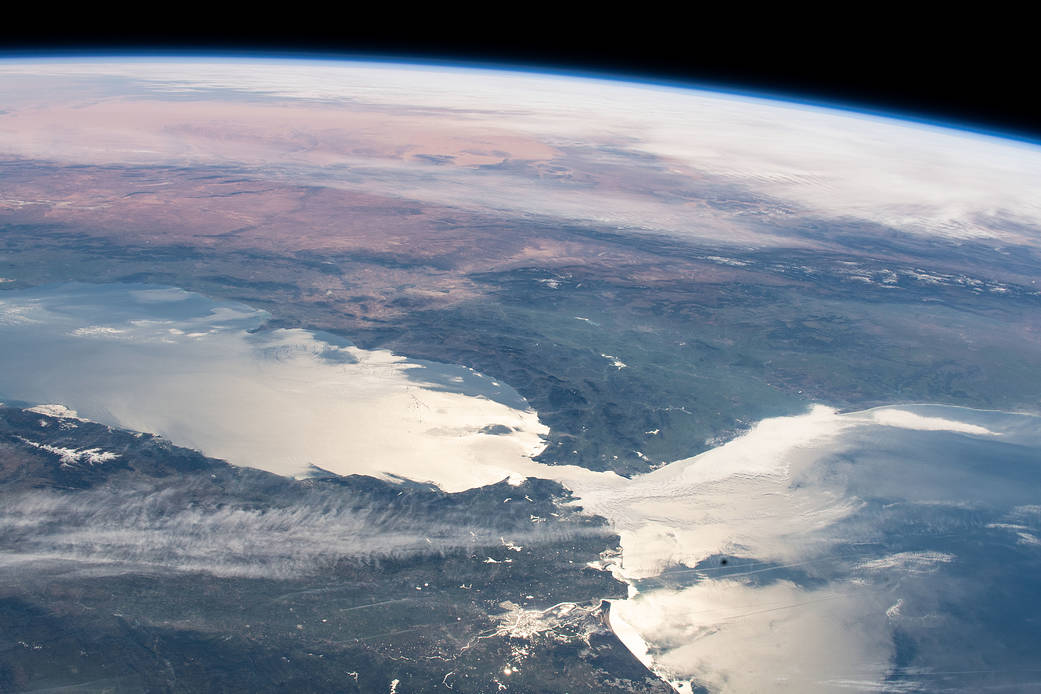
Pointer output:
x,y
923,180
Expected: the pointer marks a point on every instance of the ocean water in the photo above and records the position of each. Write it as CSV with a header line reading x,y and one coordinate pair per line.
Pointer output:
x,y
894,549
206,374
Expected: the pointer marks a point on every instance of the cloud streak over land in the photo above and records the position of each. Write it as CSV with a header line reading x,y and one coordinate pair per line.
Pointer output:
x,y
188,525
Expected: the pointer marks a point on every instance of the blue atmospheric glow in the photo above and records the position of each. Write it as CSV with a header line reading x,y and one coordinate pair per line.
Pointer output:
x,y
788,98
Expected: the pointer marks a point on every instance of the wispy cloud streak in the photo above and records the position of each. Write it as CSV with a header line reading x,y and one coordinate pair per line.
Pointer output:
x,y
186,528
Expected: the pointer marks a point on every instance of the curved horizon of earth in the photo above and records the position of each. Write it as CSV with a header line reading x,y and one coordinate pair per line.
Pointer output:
x,y
778,364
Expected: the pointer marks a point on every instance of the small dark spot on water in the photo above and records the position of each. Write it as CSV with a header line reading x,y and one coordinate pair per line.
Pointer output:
x,y
723,561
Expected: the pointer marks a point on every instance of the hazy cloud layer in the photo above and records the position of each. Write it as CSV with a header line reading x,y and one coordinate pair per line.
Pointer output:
x,y
443,135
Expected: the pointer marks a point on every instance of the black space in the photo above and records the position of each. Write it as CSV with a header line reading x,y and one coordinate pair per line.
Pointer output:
x,y
971,71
